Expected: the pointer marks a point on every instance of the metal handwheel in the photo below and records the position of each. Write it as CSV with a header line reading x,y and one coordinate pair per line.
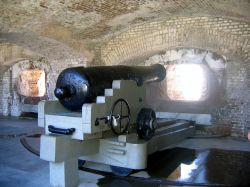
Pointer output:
x,y
146,123
120,117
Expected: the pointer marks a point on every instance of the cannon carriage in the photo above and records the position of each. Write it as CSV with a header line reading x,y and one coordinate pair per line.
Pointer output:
x,y
101,115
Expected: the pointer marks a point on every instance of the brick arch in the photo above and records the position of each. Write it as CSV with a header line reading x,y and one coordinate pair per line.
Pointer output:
x,y
10,103
227,37
11,54
222,35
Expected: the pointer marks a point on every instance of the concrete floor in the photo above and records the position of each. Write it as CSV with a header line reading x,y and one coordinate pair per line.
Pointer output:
x,y
18,167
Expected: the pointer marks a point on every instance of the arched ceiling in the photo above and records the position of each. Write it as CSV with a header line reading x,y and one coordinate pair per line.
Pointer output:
x,y
87,25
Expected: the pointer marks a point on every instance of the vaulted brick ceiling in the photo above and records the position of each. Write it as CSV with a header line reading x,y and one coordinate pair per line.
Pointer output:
x,y
88,25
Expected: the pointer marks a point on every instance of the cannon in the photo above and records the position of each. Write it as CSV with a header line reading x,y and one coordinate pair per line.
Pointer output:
x,y
79,85
102,116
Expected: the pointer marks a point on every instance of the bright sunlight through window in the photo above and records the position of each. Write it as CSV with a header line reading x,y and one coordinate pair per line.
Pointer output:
x,y
31,83
186,82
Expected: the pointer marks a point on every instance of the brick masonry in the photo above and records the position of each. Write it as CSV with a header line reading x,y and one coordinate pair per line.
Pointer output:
x,y
14,59
225,36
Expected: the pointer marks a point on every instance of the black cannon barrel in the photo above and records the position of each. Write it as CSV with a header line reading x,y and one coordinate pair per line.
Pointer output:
x,y
78,85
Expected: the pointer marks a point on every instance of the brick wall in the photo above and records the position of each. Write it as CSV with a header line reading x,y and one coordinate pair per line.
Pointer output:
x,y
225,36
1,95
6,94
15,58
236,111
8,54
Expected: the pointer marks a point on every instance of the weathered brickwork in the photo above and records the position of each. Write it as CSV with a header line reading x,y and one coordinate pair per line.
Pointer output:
x,y
227,37
62,34
93,18
223,35
235,112
14,59
1,95
9,54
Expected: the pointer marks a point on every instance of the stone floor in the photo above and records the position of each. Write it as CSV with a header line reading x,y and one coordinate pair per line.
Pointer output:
x,y
212,160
